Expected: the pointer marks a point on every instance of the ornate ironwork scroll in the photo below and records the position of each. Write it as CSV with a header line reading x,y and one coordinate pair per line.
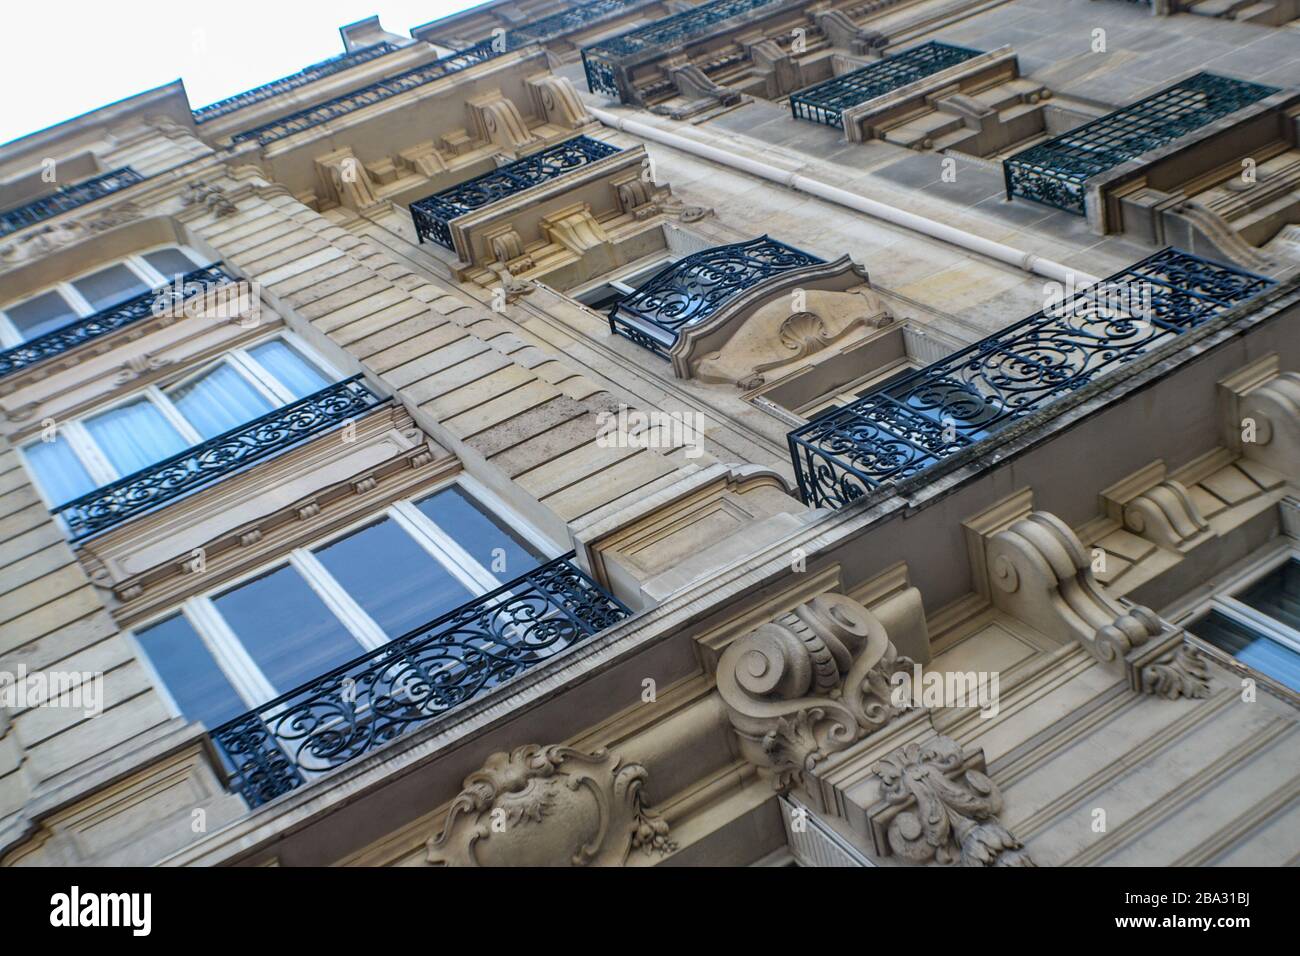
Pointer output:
x,y
215,458
826,102
310,74
113,318
381,695
433,214
692,289
1055,172
576,17
66,198
915,421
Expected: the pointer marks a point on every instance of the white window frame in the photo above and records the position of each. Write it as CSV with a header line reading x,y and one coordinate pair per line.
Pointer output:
x,y
1223,598
97,464
11,337
847,393
238,666
657,263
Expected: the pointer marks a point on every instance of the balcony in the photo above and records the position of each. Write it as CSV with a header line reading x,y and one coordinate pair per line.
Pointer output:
x,y
608,63
311,74
826,102
156,302
433,215
67,198
692,289
578,17
1056,172
379,696
215,458
377,92
913,424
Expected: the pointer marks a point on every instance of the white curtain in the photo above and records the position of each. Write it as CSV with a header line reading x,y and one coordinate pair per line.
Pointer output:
x,y
135,435
219,401
59,471
289,367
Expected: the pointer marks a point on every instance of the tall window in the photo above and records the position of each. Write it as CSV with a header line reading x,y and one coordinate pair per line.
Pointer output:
x,y
95,291
603,296
159,422
239,646
1258,622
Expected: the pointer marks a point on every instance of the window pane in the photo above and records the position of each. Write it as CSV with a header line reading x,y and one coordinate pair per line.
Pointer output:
x,y
286,628
487,539
188,669
1250,647
289,367
110,286
219,400
170,262
44,313
1277,594
58,470
134,436
397,582
601,297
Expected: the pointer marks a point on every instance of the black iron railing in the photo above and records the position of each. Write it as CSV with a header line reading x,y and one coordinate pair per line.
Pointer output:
x,y
377,92
381,695
1055,172
602,60
157,302
690,290
576,17
215,458
67,197
317,71
433,214
826,102
913,423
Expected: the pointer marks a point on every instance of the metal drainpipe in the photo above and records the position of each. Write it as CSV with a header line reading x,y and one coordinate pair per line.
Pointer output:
x,y
1028,261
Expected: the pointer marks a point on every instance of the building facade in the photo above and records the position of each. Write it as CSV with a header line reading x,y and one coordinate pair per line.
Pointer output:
x,y
657,432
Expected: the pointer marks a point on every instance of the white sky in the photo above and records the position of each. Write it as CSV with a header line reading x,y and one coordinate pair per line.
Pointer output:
x,y
62,58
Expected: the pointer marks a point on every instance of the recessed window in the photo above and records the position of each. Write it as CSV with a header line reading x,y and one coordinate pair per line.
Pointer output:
x,y
330,603
1259,624
102,288
603,297
155,424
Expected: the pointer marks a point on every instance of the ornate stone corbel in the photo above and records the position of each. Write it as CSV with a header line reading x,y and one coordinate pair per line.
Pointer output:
x,y
557,100
807,684
940,808
1158,509
847,35
550,806
346,180
1270,415
497,120
1040,573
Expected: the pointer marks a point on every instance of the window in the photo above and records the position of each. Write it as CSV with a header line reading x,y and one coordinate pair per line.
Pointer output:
x,y
1258,623
157,423
232,650
100,289
846,394
603,296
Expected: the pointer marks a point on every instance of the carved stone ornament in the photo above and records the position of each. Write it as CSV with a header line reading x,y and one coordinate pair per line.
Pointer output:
x,y
36,242
1040,573
213,198
948,810
808,684
550,806
1181,672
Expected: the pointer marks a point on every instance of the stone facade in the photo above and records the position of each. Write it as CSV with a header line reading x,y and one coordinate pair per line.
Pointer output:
x,y
997,657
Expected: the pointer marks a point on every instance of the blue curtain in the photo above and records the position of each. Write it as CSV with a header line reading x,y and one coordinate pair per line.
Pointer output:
x,y
59,471
135,435
219,401
289,367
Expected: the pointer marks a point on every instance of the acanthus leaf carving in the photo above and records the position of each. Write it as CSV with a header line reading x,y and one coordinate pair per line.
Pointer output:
x,y
1181,672
550,806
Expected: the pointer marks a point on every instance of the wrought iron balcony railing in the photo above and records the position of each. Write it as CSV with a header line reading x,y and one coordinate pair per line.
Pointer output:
x,y
914,423
603,59
215,458
317,71
1056,172
577,17
692,289
433,214
156,302
377,92
826,102
381,695
67,197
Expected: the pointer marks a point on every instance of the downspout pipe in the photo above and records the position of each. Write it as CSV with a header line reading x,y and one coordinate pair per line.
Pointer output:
x,y
1018,258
